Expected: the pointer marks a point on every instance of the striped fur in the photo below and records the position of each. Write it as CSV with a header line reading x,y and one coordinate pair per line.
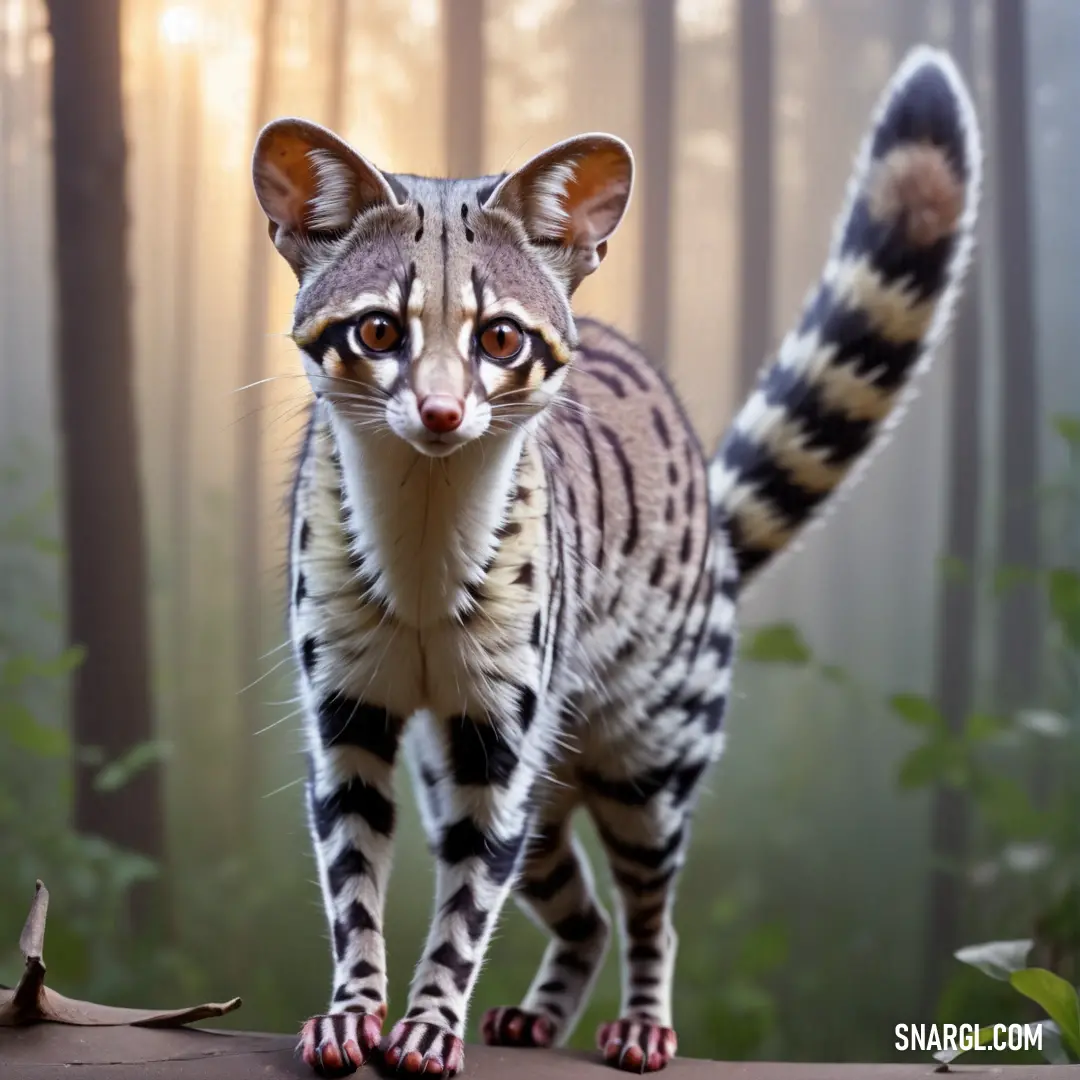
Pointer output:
x,y
840,380
535,610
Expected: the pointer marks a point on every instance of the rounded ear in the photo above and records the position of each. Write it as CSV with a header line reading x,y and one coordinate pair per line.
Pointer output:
x,y
311,185
571,198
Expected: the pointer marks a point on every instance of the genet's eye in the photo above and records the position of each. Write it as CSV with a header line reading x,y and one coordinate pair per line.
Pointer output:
x,y
379,332
502,339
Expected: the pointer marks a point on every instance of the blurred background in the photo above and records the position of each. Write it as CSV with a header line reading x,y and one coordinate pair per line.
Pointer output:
x,y
903,772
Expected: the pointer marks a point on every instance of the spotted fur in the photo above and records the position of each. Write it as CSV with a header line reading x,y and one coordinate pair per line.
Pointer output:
x,y
533,603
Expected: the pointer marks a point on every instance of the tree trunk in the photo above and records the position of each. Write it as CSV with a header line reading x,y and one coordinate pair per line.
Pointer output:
x,y
339,70
658,127
957,627
249,453
754,42
106,572
463,104
1018,650
183,383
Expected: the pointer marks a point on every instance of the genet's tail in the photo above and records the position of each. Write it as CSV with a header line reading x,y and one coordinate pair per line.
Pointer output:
x,y
889,287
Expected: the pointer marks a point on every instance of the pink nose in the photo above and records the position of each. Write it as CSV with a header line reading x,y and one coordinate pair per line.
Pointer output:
x,y
441,413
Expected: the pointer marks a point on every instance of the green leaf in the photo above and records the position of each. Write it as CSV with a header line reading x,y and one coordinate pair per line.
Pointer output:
x,y
1057,997
938,761
120,772
954,570
1068,427
780,643
1008,577
998,959
917,711
982,726
1064,589
26,733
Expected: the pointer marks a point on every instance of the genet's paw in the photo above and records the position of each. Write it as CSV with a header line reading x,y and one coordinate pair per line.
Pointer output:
x,y
515,1027
418,1047
636,1045
339,1044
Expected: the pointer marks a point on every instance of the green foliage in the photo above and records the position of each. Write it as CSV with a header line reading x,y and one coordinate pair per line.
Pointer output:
x,y
1007,961
781,643
90,880
1030,837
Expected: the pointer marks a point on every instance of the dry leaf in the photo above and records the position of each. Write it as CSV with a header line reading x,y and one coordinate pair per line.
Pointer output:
x,y
32,1002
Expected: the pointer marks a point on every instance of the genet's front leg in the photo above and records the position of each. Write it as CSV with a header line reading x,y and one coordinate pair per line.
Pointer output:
x,y
491,768
351,814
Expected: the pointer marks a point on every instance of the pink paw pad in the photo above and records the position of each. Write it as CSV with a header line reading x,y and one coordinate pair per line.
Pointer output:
x,y
339,1044
636,1045
515,1027
415,1046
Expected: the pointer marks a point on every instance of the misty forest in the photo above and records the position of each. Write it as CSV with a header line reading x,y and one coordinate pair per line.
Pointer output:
x,y
902,774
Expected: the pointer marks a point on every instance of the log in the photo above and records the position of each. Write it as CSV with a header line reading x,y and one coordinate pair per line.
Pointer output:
x,y
48,1051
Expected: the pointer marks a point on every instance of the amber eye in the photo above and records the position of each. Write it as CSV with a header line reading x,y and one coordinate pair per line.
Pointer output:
x,y
379,332
501,340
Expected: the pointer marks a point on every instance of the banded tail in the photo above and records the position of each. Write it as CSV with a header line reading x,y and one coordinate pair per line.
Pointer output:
x,y
889,288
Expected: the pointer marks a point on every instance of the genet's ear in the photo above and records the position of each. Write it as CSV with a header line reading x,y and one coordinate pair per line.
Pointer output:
x,y
571,198
311,185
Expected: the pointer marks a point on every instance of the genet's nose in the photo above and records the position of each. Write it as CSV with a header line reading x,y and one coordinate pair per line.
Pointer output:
x,y
441,413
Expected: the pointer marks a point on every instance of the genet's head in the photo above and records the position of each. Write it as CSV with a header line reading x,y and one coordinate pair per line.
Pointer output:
x,y
437,309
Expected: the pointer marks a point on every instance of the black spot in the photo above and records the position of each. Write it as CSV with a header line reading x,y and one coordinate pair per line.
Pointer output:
x,y
643,886
552,986
420,231
642,1001
460,969
602,356
644,922
310,650
686,547
463,903
343,721
525,575
579,927
469,234
657,573
672,473
357,918
478,753
535,636
301,589
570,961
644,952
511,528
544,888
305,534
625,468
650,857
415,1011
661,428
355,797
362,969
554,1008
669,510
636,791
370,993
609,381
449,1015
526,708
430,990
349,865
